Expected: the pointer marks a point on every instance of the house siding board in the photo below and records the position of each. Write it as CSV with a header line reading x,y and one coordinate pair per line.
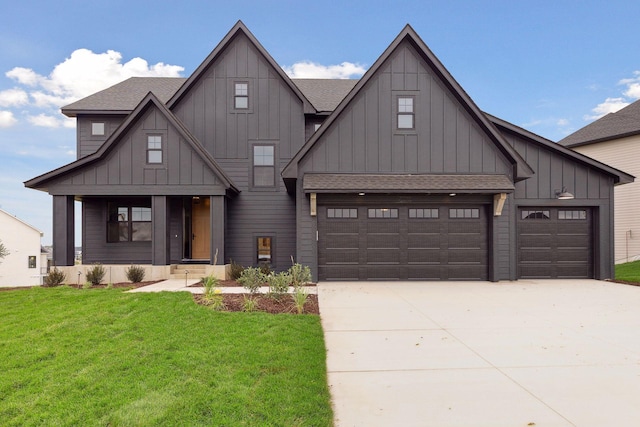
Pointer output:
x,y
89,144
95,248
444,141
621,154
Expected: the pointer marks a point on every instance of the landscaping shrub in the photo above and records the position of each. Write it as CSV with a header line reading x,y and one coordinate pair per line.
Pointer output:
x,y
235,270
95,274
278,284
252,278
249,304
135,274
54,278
300,275
265,268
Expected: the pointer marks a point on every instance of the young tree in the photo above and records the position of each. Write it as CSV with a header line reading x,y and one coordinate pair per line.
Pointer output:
x,y
3,250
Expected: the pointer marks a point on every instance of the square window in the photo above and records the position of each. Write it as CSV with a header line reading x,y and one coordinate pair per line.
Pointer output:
x,y
97,128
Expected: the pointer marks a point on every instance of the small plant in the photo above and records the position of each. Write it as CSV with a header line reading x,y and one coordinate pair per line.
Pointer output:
x,y
135,274
216,301
300,275
210,284
249,304
235,270
54,278
252,278
265,268
299,298
278,284
87,285
95,274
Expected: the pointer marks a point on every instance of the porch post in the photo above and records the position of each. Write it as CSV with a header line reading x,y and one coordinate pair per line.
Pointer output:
x,y
217,217
160,231
63,231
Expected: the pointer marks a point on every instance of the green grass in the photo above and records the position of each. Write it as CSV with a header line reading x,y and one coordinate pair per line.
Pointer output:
x,y
105,357
628,272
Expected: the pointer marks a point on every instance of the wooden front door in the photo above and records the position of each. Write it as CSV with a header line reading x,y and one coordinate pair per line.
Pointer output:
x,y
201,228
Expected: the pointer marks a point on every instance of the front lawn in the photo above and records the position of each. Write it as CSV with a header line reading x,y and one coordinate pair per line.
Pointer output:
x,y
105,357
628,272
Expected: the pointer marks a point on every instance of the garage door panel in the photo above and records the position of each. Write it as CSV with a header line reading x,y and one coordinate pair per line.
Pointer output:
x,y
424,256
383,256
424,244
560,245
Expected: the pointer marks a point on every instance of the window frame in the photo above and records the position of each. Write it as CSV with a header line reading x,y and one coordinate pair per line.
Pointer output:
x,y
133,208
339,213
32,261
93,129
150,150
381,213
272,167
400,112
427,213
467,213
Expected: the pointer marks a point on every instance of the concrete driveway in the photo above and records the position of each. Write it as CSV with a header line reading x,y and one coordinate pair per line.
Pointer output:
x,y
472,354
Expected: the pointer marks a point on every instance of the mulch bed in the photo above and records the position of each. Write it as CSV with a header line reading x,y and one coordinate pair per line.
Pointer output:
x,y
266,304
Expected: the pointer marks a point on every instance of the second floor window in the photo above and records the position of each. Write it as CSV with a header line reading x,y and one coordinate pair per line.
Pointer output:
x,y
241,96
264,170
154,149
405,113
97,128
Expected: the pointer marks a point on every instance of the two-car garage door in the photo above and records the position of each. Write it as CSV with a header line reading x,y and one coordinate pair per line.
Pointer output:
x,y
391,242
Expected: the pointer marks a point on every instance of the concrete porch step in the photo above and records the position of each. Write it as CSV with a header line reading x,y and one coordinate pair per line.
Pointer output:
x,y
188,271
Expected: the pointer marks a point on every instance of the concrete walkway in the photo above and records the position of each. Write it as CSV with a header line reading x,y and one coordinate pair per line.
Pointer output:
x,y
526,353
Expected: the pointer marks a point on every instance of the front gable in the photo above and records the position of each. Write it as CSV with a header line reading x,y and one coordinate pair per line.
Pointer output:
x,y
121,166
451,135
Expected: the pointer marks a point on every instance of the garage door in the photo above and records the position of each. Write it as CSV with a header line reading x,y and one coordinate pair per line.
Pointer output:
x,y
555,243
387,242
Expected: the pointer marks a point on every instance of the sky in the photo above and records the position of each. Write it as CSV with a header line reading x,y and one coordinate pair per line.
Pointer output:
x,y
551,67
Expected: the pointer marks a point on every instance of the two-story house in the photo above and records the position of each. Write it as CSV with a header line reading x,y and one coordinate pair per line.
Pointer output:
x,y
398,175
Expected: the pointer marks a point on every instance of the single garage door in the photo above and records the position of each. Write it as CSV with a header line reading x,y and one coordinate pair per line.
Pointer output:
x,y
555,243
387,242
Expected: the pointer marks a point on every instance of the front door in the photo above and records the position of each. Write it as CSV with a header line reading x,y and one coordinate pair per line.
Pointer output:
x,y
201,228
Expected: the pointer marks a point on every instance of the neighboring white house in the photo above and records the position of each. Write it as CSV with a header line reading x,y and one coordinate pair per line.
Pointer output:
x,y
25,264
615,140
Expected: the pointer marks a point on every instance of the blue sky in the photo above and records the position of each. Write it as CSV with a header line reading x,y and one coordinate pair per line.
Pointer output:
x,y
548,66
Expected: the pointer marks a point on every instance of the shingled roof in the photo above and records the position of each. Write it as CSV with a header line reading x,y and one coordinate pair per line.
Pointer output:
x,y
325,94
625,122
431,183
122,98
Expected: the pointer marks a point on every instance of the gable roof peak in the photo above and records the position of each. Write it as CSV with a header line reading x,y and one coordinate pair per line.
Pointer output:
x,y
238,28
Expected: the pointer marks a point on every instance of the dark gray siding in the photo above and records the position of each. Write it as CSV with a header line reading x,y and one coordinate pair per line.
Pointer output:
x,y
94,239
590,188
125,170
89,144
275,115
365,139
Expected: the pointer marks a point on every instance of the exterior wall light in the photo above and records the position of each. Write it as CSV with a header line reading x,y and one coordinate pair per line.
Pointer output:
x,y
564,194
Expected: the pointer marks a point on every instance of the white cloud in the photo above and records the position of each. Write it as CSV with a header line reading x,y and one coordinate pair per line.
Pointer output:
x,y
13,97
562,122
84,73
610,105
45,120
311,70
7,119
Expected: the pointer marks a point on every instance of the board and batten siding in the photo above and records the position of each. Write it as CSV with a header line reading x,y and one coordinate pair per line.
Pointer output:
x,y
275,116
88,143
622,154
124,170
592,189
365,138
